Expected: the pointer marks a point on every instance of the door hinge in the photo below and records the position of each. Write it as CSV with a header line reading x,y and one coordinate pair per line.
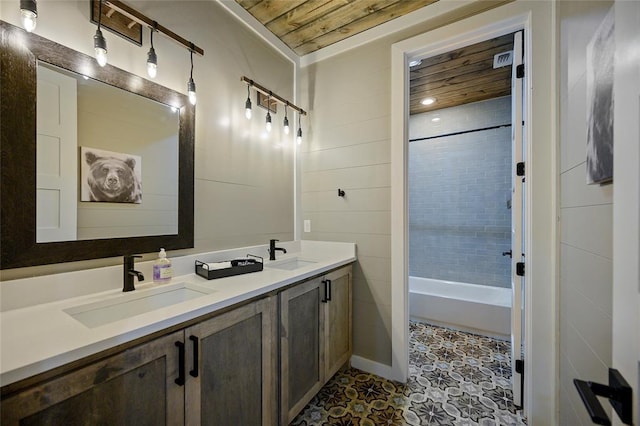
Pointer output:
x,y
520,71
520,169
520,366
520,269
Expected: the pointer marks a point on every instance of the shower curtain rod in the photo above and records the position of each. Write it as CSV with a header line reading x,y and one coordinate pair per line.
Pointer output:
x,y
460,133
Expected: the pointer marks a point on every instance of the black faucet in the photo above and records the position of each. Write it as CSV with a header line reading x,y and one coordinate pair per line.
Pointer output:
x,y
273,248
129,273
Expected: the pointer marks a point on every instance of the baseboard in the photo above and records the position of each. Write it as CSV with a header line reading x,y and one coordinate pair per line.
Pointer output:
x,y
372,367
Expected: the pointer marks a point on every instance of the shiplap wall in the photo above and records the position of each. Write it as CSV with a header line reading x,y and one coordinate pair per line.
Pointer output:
x,y
348,148
586,273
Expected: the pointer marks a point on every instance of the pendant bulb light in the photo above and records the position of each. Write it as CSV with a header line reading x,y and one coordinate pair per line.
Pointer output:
x,y
247,104
268,119
99,42
286,120
191,85
29,14
152,58
299,135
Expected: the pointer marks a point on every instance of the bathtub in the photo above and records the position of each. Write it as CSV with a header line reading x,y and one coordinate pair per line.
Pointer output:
x,y
468,307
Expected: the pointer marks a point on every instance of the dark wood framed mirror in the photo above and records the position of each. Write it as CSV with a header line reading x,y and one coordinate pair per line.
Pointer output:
x,y
19,57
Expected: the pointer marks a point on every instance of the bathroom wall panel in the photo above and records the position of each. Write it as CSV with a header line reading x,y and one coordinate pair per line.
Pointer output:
x,y
586,215
365,154
350,133
576,194
361,199
589,228
375,176
578,267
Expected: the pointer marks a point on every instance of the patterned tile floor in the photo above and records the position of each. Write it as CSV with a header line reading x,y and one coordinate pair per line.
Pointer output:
x,y
455,378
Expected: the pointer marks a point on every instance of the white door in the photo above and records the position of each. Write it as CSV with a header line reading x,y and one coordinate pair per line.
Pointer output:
x,y
517,240
56,157
626,199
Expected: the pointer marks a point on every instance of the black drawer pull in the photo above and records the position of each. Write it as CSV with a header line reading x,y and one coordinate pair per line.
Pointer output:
x,y
196,354
180,380
329,286
326,297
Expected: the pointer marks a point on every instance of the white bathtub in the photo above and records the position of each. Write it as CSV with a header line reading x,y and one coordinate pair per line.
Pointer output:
x,y
468,307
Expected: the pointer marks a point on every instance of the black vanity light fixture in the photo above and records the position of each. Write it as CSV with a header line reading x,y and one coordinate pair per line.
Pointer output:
x,y
29,14
247,104
152,58
135,17
286,120
276,98
99,43
268,119
191,85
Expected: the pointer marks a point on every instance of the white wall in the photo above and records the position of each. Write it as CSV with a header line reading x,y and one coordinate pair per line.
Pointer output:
x,y
243,178
586,258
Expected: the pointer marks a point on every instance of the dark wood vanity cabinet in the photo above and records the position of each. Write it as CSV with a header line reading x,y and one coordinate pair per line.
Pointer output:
x,y
315,338
134,387
223,370
219,371
235,379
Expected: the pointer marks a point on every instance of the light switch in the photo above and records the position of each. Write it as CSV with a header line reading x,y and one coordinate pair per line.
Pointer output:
x,y
307,225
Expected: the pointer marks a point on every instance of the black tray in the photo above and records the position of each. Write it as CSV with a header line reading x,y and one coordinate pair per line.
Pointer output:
x,y
239,266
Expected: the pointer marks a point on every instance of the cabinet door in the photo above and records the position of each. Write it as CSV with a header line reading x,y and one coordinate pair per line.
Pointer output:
x,y
302,344
338,321
134,387
234,381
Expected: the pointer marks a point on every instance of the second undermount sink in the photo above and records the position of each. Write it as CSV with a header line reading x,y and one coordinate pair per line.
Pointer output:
x,y
290,264
135,303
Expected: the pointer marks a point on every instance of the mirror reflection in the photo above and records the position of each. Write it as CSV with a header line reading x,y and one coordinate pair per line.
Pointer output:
x,y
107,160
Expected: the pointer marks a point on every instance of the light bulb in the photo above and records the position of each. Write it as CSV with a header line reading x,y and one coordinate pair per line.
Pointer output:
x,y
29,14
268,122
100,45
247,111
28,19
299,137
152,63
191,91
152,69
101,56
286,126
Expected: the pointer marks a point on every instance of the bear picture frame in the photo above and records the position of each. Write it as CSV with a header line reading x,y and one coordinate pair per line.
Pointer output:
x,y
110,177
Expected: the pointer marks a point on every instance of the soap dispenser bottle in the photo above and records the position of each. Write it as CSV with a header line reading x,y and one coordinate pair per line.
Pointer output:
x,y
162,270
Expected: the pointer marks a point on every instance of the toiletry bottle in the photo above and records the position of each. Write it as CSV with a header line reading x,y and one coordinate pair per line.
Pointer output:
x,y
162,270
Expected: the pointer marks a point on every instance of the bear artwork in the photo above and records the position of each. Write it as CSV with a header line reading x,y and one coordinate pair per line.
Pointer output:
x,y
110,178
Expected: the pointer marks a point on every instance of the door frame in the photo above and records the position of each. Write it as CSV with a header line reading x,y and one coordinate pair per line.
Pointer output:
x,y
541,389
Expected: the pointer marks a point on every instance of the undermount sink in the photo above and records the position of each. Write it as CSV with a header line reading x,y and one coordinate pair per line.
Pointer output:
x,y
290,264
134,303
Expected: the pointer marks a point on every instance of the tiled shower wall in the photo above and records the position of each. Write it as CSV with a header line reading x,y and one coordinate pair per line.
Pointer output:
x,y
459,190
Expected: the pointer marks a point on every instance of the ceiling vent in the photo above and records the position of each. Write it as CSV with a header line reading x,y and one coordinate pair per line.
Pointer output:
x,y
503,59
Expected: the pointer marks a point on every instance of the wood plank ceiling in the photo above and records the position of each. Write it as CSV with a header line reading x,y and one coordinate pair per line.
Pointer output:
x,y
309,25
460,76
454,78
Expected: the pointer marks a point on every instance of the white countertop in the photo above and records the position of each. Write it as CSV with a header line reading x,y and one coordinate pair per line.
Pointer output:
x,y
37,338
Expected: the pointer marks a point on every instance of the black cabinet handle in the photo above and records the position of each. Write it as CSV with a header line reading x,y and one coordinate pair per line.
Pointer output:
x,y
618,392
326,298
329,286
180,380
196,354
